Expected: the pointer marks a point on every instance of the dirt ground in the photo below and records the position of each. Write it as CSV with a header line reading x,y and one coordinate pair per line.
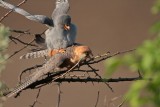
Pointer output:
x,y
104,25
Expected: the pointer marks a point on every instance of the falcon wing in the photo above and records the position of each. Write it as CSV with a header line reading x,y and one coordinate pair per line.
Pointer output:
x,y
62,7
38,18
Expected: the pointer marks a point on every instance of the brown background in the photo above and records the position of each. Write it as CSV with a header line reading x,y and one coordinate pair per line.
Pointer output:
x,y
104,25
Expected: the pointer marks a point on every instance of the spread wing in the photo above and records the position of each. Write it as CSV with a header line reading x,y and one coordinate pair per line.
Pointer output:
x,y
62,7
38,18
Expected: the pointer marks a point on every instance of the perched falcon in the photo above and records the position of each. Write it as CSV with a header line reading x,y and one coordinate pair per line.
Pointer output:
x,y
61,33
62,7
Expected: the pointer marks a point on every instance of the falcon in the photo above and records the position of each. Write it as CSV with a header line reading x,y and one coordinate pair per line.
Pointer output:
x,y
61,33
72,56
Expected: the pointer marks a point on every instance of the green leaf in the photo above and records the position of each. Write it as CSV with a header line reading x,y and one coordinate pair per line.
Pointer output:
x,y
155,28
4,39
111,65
156,8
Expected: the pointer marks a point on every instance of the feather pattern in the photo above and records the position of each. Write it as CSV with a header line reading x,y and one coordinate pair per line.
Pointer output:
x,y
36,54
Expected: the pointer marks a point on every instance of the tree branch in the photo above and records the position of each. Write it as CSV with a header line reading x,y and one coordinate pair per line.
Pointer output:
x,y
36,99
97,99
10,11
99,80
25,44
105,56
59,95
49,79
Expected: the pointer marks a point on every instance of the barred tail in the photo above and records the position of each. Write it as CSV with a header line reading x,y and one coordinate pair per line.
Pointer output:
x,y
20,88
33,77
37,54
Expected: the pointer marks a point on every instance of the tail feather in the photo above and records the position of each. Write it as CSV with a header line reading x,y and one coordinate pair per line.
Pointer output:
x,y
50,65
20,87
37,54
32,78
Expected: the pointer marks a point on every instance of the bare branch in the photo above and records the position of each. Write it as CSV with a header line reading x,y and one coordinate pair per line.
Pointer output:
x,y
50,79
85,80
20,49
72,68
121,104
59,95
20,41
100,78
21,32
10,11
19,35
105,56
97,99
36,100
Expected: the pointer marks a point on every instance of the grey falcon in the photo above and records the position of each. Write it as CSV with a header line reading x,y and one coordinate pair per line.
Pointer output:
x,y
54,37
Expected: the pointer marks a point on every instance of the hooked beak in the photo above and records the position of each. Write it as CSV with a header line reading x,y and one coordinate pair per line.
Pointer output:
x,y
67,27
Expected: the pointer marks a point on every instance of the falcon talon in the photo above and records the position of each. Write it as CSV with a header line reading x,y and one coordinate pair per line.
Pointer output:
x,y
62,50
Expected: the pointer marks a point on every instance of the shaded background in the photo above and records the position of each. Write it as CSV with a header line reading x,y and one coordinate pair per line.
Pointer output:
x,y
107,25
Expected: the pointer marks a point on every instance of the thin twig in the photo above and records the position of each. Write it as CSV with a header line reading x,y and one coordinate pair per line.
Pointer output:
x,y
25,44
97,99
36,100
112,101
20,41
25,32
121,104
105,100
100,77
68,70
106,56
139,73
80,70
10,11
59,95
19,50
21,32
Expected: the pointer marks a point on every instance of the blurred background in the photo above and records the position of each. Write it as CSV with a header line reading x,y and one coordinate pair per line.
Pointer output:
x,y
108,25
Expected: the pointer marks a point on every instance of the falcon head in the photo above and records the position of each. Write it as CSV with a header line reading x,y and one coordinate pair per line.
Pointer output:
x,y
64,21
81,53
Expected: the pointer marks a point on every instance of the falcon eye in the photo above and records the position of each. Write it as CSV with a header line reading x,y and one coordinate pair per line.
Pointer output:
x,y
68,22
